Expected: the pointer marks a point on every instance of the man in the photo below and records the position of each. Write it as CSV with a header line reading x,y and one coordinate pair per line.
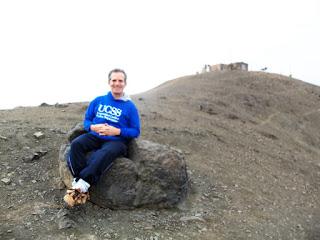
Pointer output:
x,y
111,121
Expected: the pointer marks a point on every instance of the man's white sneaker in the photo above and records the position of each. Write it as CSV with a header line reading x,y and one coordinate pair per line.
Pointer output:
x,y
81,185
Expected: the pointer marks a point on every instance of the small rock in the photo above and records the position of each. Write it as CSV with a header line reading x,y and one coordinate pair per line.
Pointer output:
x,y
192,218
60,185
27,158
39,154
107,235
34,156
65,223
61,213
299,226
6,180
148,227
3,137
44,105
59,105
38,135
63,220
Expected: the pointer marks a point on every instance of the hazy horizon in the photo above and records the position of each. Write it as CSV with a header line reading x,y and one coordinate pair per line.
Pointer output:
x,y
63,100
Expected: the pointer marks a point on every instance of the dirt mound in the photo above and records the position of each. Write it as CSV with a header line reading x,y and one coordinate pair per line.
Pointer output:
x,y
251,142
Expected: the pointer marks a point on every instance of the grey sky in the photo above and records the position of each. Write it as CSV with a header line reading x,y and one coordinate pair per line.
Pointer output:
x,y
61,51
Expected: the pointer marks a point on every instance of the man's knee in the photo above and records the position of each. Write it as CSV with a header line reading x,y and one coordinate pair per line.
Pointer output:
x,y
115,149
77,144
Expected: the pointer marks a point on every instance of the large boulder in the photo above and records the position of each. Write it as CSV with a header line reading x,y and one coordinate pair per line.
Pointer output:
x,y
152,175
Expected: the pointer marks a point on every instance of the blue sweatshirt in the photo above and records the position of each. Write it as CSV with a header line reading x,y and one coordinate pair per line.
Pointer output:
x,y
120,113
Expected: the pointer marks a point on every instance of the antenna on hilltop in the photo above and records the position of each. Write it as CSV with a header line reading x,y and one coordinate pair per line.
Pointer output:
x,y
290,74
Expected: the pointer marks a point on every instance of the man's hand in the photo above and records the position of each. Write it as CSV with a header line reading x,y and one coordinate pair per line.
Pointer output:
x,y
105,129
96,127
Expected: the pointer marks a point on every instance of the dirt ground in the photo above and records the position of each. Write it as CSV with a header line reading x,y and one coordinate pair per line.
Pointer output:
x,y
251,142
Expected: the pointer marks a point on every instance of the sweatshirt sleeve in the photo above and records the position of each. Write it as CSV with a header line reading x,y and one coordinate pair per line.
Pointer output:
x,y
89,116
133,130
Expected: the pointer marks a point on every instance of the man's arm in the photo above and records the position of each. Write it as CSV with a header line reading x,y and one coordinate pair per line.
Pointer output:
x,y
133,130
89,116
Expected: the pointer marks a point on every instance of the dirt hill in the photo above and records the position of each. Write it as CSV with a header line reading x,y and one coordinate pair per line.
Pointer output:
x,y
251,142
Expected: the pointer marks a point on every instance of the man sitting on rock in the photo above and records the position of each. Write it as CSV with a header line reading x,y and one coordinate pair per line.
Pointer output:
x,y
111,121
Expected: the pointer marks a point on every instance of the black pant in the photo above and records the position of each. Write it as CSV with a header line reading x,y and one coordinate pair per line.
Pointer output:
x,y
101,159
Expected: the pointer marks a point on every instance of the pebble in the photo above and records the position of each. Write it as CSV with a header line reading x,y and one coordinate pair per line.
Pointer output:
x,y
192,218
107,235
38,135
61,213
65,223
148,227
6,180
63,220
3,137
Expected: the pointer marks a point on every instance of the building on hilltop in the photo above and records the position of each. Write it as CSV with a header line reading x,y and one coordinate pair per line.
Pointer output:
x,y
222,67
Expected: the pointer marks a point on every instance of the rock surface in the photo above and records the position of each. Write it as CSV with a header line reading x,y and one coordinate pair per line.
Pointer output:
x,y
153,175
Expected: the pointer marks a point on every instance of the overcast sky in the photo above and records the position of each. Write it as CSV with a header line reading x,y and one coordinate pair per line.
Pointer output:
x,y
61,51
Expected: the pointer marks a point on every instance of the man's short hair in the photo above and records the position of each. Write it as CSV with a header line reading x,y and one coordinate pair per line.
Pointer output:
x,y
116,70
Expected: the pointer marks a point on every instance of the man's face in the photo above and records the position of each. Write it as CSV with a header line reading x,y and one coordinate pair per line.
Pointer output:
x,y
117,83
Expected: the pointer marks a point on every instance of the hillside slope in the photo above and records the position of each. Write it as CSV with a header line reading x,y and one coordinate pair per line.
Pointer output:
x,y
251,142
252,135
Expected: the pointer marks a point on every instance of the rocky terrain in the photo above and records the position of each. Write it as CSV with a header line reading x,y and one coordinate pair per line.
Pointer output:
x,y
251,142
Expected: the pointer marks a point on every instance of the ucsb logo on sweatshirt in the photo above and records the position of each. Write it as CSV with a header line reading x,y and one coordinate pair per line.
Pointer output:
x,y
109,112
